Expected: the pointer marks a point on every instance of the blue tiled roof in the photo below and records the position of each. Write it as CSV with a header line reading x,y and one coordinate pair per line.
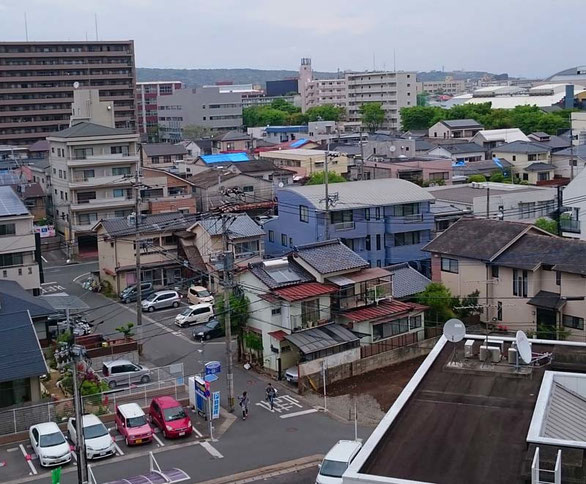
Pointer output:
x,y
287,129
225,158
299,143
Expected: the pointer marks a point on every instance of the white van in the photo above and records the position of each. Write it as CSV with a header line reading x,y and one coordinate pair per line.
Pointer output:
x,y
199,313
337,461
199,294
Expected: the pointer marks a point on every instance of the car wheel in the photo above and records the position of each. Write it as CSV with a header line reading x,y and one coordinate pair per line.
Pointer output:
x,y
208,336
112,384
125,301
175,304
151,309
145,379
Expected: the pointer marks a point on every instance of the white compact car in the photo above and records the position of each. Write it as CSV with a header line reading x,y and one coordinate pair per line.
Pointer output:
x,y
337,461
49,444
197,314
98,441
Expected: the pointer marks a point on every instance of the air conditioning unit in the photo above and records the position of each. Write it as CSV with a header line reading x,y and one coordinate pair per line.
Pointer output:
x,y
490,353
469,348
512,356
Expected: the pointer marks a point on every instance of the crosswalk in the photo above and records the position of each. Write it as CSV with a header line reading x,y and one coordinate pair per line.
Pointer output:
x,y
286,406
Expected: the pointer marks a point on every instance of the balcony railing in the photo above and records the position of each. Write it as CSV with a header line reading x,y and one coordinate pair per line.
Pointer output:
x,y
344,226
572,226
304,321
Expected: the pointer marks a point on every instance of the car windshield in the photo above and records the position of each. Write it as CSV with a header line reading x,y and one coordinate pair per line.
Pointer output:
x,y
151,296
211,324
187,312
95,431
333,468
136,421
204,293
175,413
51,440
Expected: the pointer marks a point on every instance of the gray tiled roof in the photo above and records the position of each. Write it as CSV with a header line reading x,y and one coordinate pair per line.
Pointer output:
x,y
407,281
462,148
254,166
210,178
238,226
364,193
162,149
479,239
232,136
14,298
329,256
85,129
462,123
566,415
22,358
540,167
578,151
119,226
258,269
522,147
424,145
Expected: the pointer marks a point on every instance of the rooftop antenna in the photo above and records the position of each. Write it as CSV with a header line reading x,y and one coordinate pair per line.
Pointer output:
x,y
96,25
25,27
454,330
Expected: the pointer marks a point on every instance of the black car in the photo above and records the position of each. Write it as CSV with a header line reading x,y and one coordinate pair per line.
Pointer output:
x,y
212,329
128,295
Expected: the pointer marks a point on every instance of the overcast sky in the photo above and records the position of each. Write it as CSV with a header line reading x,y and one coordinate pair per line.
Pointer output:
x,y
522,37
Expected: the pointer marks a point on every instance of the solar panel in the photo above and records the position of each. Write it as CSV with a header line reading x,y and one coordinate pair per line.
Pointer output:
x,y
283,275
10,204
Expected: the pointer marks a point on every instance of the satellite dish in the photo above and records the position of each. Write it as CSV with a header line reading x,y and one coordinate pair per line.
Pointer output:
x,y
392,148
76,85
454,330
523,347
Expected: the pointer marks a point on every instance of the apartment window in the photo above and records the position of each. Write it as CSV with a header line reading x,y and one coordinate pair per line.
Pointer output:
x,y
284,240
377,213
60,173
520,282
119,150
122,213
573,322
416,322
499,311
82,153
7,229
450,265
119,192
30,270
407,238
121,170
7,260
494,270
341,216
558,278
348,243
54,171
275,311
61,195
303,213
406,209
89,173
248,189
514,158
87,218
167,159
291,242
367,213
367,242
85,197
65,196
378,242
155,160
271,235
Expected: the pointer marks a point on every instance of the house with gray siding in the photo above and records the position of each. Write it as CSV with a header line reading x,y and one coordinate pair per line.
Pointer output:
x,y
385,221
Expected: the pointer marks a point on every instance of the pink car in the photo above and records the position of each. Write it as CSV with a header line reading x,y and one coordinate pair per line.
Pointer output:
x,y
168,414
132,423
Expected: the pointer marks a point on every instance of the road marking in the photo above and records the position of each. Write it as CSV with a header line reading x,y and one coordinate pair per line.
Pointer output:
x,y
197,432
158,440
12,450
166,328
30,463
85,274
44,260
118,449
297,414
212,450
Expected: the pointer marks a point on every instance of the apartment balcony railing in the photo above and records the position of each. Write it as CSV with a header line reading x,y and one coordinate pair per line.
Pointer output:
x,y
103,203
572,226
344,226
304,321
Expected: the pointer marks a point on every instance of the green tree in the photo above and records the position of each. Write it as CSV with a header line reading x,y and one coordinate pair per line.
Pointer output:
x,y
297,119
263,116
126,330
326,112
547,224
318,178
476,179
193,132
239,311
440,301
420,117
372,115
283,105
422,99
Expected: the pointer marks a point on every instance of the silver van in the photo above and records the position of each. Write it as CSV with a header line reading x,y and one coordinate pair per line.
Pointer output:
x,y
124,372
160,300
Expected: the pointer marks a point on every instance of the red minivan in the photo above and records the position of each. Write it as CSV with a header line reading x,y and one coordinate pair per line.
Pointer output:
x,y
132,424
168,414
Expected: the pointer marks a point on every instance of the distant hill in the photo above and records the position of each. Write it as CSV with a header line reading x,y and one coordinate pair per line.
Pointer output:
x,y
457,75
205,77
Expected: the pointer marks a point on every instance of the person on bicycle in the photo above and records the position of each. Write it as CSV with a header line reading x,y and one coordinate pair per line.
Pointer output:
x,y
271,393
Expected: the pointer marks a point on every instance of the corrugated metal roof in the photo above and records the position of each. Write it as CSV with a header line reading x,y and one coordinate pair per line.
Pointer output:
x,y
304,291
225,158
383,309
566,415
279,335
320,338
10,204
237,226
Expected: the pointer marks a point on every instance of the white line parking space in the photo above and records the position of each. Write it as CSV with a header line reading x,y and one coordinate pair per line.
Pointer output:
x,y
196,432
118,449
212,450
26,456
159,441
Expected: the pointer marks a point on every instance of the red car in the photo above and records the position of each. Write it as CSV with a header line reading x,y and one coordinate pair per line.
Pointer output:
x,y
168,414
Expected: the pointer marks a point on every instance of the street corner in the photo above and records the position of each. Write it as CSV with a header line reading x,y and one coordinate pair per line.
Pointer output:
x,y
286,406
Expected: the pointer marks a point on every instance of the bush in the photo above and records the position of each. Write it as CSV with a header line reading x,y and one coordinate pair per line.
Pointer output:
x,y
476,179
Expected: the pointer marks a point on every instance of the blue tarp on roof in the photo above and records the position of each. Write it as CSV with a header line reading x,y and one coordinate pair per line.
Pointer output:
x,y
299,143
225,158
286,129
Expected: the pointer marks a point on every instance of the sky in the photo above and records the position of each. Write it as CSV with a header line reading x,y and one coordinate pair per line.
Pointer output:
x,y
525,38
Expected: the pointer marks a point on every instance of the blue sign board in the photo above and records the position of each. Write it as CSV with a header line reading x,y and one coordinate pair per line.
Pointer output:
x,y
210,378
213,367
216,405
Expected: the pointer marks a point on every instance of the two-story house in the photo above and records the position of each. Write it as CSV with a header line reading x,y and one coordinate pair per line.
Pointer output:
x,y
92,172
527,279
460,152
165,192
531,161
384,221
163,155
455,129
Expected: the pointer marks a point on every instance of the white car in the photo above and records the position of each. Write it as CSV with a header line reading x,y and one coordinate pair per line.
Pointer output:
x,y
196,314
337,461
98,441
292,374
49,444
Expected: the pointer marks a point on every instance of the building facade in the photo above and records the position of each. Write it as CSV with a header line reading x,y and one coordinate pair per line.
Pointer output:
x,y
394,90
37,82
147,95
325,91
449,86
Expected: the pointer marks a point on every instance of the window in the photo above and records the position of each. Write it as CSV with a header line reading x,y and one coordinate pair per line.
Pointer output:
x,y
558,278
121,170
14,259
61,195
367,213
275,311
543,176
87,218
499,311
367,243
303,213
60,173
119,192
7,229
82,153
341,216
155,160
378,244
271,235
284,240
248,189
520,283
407,238
406,209
440,175
450,265
494,270
119,150
122,213
379,263
416,321
89,173
85,197
573,322
377,213
392,328
348,243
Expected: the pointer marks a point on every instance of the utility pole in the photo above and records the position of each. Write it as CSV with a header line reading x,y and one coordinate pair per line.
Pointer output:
x,y
571,151
361,155
137,184
558,212
326,180
228,265
487,201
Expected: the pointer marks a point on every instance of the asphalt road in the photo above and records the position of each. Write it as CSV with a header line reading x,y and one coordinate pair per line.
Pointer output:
x,y
292,431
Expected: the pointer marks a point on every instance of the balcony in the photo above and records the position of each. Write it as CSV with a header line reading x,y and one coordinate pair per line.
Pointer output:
x,y
109,202
304,321
79,181
99,160
341,226
376,290
571,226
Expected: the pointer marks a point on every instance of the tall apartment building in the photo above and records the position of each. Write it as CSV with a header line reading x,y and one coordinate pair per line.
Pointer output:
x,y
326,91
205,106
147,95
37,78
92,172
394,90
449,86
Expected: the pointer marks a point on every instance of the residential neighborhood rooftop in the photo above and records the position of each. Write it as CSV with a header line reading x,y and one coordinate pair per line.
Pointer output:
x,y
86,129
407,281
121,226
10,204
162,149
237,226
329,256
225,158
522,147
461,123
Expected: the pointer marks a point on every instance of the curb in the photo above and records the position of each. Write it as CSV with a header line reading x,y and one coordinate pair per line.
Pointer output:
x,y
269,471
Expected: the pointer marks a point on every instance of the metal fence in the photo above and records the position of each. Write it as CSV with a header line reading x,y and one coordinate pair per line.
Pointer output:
x,y
388,344
168,380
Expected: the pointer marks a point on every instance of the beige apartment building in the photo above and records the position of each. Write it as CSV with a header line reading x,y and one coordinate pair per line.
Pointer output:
x,y
17,242
305,162
527,279
394,90
325,91
37,82
448,86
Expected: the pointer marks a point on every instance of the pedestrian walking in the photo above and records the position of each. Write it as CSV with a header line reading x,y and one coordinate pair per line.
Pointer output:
x,y
271,394
243,401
